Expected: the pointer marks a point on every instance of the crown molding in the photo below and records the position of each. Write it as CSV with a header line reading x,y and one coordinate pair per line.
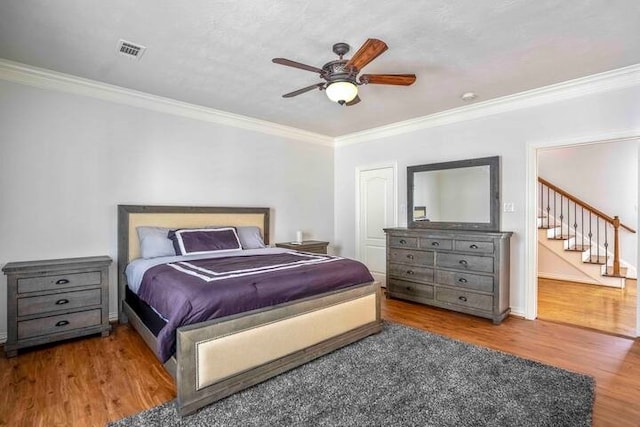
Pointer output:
x,y
47,79
602,82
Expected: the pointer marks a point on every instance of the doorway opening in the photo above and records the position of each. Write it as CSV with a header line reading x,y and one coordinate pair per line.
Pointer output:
x,y
575,279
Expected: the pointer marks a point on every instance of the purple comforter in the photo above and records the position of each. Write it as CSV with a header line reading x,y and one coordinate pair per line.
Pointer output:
x,y
194,291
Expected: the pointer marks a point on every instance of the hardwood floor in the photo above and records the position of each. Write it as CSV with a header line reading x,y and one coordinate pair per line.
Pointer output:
x,y
91,381
602,308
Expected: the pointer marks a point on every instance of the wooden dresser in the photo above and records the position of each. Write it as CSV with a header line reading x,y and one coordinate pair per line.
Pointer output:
x,y
465,271
53,300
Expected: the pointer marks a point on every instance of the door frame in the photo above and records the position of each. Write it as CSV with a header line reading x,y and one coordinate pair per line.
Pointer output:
x,y
364,168
531,227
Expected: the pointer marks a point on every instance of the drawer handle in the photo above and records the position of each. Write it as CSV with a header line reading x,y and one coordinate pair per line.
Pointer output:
x,y
474,246
435,243
403,242
408,288
410,256
462,280
62,282
62,301
463,262
62,323
463,299
410,272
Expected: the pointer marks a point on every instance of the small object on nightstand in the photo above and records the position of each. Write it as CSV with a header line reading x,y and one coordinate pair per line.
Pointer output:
x,y
53,300
315,246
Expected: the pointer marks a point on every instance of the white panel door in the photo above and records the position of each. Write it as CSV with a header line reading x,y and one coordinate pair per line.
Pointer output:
x,y
376,212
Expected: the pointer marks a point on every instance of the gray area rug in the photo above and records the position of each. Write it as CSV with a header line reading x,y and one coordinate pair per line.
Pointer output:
x,y
402,376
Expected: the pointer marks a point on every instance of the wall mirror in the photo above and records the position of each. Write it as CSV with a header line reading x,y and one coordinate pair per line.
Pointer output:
x,y
462,195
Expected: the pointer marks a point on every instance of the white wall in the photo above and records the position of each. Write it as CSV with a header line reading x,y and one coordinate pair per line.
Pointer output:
x,y
67,161
613,190
508,135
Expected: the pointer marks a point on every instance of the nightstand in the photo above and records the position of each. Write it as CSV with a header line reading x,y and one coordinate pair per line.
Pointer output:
x,y
58,299
315,246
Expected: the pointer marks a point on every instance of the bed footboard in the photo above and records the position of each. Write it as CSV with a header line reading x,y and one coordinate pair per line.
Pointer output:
x,y
218,358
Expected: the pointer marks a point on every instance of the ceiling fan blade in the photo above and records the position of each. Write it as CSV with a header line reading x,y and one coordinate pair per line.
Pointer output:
x,y
354,101
369,51
294,64
303,90
388,79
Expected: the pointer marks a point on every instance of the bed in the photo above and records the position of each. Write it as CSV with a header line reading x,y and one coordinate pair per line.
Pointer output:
x,y
216,358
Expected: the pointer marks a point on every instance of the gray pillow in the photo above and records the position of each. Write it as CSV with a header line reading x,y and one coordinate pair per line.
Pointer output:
x,y
154,242
250,237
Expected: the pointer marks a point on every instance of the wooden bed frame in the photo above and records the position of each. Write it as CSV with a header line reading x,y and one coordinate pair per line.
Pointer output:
x,y
217,358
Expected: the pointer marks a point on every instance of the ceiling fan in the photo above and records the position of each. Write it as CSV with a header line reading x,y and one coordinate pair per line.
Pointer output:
x,y
341,76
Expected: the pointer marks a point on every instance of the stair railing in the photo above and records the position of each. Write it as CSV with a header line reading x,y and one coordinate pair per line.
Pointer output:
x,y
594,225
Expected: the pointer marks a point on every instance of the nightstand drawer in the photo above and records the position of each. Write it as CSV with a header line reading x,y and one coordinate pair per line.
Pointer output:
x,y
59,281
61,323
55,302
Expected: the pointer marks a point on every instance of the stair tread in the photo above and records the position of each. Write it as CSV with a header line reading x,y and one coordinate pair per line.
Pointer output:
x,y
559,237
579,248
594,259
623,272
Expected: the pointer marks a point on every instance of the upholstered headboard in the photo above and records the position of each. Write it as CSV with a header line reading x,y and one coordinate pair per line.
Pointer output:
x,y
132,216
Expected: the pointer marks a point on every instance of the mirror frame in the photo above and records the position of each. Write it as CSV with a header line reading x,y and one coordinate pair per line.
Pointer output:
x,y
494,195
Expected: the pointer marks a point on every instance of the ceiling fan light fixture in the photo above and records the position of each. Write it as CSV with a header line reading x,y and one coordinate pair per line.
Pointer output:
x,y
342,91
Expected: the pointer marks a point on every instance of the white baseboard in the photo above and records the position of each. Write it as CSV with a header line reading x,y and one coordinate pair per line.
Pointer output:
x,y
3,337
554,276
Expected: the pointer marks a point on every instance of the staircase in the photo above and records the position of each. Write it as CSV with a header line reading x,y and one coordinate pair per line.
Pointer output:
x,y
585,239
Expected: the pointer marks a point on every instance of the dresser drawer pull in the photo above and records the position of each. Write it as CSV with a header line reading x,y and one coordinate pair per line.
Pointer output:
x,y
463,262
410,272
463,299
462,280
403,242
62,301
410,256
408,288
474,246
62,323
435,243
62,282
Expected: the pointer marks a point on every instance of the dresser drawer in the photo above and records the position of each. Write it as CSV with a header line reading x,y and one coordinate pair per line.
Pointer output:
x,y
436,244
410,289
471,246
466,262
59,281
55,302
411,272
465,299
403,242
465,280
61,323
411,257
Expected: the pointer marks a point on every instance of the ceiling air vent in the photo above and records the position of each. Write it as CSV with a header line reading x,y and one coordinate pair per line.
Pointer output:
x,y
130,50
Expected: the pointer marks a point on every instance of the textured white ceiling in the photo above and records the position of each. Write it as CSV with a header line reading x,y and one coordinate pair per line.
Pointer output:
x,y
218,53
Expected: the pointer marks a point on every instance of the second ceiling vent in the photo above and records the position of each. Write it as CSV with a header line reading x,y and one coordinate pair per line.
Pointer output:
x,y
130,50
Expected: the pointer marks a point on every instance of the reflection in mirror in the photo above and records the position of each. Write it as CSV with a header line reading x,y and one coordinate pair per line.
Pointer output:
x,y
460,195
